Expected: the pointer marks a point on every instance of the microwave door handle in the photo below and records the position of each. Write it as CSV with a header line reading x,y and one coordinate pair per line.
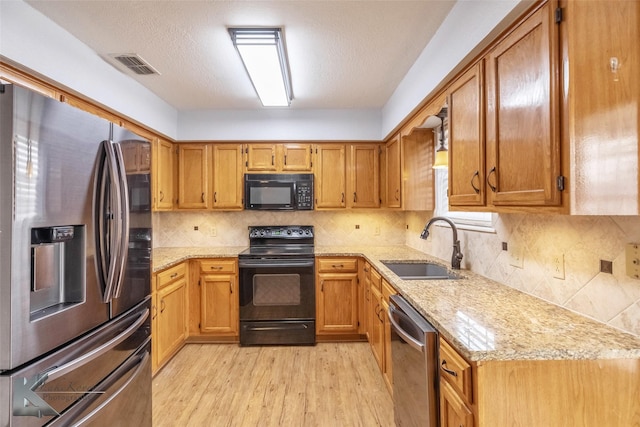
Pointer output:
x,y
59,371
123,217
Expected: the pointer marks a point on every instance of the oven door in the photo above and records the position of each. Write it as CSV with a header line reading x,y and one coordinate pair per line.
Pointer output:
x,y
277,301
277,289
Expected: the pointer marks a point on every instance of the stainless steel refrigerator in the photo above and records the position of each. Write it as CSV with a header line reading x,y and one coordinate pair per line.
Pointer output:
x,y
75,246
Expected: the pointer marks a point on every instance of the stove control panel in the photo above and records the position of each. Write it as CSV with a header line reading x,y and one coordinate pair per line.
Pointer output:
x,y
281,232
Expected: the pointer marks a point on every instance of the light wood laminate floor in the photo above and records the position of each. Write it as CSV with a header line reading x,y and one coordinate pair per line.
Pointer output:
x,y
330,384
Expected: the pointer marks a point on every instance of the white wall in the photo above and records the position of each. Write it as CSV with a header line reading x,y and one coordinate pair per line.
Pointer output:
x,y
31,40
468,28
281,124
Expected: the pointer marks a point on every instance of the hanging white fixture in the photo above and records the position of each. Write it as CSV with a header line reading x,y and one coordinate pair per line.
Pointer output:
x,y
264,57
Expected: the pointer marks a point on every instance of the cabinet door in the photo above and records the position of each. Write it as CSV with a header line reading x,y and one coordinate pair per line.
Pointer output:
x,y
296,157
387,364
219,304
227,176
364,190
330,176
261,157
522,126
453,411
164,174
393,179
172,319
602,105
337,303
376,336
417,173
466,140
193,176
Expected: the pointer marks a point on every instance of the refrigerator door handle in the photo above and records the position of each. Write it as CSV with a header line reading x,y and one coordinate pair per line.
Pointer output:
x,y
59,371
108,218
123,215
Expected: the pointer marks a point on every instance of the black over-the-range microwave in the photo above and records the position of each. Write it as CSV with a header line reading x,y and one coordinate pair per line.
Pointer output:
x,y
278,192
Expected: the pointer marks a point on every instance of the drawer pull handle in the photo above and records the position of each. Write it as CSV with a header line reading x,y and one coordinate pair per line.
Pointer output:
x,y
174,275
448,371
337,265
216,267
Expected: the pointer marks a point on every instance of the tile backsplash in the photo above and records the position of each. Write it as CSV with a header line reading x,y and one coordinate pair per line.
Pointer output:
x,y
582,240
176,229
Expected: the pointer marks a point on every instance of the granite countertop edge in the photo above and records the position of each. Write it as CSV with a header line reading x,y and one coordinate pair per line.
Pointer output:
x,y
485,320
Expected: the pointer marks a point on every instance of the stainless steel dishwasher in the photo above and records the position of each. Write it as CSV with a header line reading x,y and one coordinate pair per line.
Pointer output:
x,y
414,357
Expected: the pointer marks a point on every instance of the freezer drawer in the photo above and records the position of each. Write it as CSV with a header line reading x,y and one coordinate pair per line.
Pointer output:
x,y
79,382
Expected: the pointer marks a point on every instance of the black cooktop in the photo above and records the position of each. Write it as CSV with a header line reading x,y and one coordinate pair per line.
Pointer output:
x,y
280,240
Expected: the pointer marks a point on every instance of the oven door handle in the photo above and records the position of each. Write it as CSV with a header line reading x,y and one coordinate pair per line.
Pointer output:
x,y
275,263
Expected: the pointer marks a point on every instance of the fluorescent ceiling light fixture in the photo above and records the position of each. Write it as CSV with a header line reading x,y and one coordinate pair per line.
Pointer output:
x,y
264,57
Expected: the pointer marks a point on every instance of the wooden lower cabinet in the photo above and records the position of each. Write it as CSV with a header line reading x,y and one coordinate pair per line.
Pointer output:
x,y
336,297
214,296
376,335
169,317
453,411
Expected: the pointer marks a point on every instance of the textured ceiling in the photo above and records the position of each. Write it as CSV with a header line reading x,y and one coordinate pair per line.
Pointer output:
x,y
342,54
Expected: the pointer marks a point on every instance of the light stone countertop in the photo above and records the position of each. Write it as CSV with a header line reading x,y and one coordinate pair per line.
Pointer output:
x,y
483,319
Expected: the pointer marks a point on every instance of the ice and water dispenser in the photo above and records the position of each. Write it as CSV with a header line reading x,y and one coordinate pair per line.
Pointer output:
x,y
57,269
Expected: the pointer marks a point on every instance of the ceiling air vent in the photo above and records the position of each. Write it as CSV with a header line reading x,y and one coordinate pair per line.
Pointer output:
x,y
135,63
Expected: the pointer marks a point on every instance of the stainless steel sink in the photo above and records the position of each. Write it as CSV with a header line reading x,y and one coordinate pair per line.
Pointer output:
x,y
419,270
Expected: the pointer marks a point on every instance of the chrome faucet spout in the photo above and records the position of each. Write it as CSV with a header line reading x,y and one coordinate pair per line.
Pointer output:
x,y
456,256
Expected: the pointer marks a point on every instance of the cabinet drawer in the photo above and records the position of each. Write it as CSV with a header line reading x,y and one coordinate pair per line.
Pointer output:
x,y
337,265
387,290
376,279
455,370
170,275
218,266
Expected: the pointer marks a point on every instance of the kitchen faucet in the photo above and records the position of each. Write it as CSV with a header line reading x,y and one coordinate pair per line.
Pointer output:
x,y
456,257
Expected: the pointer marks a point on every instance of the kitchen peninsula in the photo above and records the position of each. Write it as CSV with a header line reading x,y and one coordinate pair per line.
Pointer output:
x,y
523,353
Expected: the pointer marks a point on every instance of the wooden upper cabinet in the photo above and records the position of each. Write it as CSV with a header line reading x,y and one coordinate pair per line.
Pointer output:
x,y
227,176
417,173
466,139
296,157
261,157
330,176
164,155
193,176
364,168
522,125
393,178
602,106
285,157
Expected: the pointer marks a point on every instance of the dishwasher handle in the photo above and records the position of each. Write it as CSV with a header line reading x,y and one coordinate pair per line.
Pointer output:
x,y
393,315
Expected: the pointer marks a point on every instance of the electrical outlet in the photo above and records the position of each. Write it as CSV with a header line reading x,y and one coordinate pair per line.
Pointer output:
x,y
196,228
516,259
632,258
213,232
376,231
558,266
